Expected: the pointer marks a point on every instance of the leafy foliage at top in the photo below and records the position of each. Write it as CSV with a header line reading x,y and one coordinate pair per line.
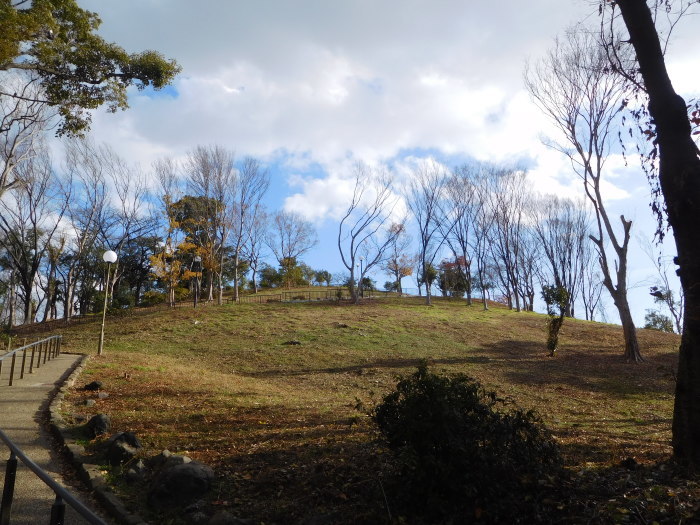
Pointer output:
x,y
78,70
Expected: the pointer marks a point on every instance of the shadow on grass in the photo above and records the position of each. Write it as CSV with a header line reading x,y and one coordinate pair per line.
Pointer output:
x,y
360,369
588,371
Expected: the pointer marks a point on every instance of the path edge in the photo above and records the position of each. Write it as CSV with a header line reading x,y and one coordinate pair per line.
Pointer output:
x,y
88,473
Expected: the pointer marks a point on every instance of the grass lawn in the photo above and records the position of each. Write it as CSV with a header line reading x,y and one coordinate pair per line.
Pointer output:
x,y
286,428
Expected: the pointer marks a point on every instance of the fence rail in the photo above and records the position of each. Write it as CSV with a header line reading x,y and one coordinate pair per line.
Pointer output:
x,y
38,352
328,294
58,508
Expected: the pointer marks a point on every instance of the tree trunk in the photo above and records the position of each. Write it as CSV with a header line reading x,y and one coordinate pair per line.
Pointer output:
x,y
235,276
12,301
468,283
69,295
632,352
50,291
354,290
679,177
27,310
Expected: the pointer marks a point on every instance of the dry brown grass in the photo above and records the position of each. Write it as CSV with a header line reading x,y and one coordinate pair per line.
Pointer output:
x,y
280,422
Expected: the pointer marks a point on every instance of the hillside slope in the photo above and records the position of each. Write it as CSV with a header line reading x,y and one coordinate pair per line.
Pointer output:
x,y
269,394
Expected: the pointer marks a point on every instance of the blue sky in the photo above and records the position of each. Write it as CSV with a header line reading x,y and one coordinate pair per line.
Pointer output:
x,y
311,87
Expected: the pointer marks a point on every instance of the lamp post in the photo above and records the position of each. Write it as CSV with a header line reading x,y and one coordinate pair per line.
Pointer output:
x,y
197,267
109,257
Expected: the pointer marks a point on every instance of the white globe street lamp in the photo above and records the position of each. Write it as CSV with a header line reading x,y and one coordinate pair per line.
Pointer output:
x,y
110,258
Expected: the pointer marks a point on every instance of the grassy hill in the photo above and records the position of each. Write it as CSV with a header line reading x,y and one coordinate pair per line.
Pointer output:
x,y
275,396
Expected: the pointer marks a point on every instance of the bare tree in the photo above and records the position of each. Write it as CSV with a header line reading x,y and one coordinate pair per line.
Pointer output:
x,y
575,87
253,249
562,228
508,204
461,201
31,214
54,251
164,263
398,262
128,218
425,194
290,237
591,283
22,122
252,184
85,191
211,176
362,232
483,220
529,266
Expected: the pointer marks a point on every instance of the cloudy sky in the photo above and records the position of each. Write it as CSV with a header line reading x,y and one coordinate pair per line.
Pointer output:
x,y
312,86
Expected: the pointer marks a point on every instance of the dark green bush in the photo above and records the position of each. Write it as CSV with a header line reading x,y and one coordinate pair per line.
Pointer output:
x,y
464,454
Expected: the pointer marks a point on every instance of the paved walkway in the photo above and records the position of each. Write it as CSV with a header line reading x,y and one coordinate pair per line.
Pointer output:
x,y
22,407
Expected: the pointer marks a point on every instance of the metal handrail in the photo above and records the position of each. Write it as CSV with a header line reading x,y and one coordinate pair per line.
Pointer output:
x,y
50,346
63,496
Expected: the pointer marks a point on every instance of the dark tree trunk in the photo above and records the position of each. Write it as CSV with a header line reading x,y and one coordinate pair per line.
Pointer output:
x,y
679,177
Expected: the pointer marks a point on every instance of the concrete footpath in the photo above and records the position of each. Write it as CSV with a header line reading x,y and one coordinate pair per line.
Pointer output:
x,y
23,409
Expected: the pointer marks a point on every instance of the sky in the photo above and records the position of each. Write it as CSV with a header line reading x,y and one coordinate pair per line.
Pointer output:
x,y
310,87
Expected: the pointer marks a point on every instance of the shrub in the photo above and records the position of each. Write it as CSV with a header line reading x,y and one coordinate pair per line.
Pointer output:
x,y
153,297
557,300
460,458
181,293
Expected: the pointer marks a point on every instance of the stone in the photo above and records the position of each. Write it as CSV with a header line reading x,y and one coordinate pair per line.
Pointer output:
x,y
99,425
122,448
90,402
180,485
102,395
629,463
95,385
167,459
137,472
292,342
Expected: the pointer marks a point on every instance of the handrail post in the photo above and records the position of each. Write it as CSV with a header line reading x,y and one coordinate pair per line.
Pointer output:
x,y
38,355
12,368
8,490
46,351
58,511
31,360
24,361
